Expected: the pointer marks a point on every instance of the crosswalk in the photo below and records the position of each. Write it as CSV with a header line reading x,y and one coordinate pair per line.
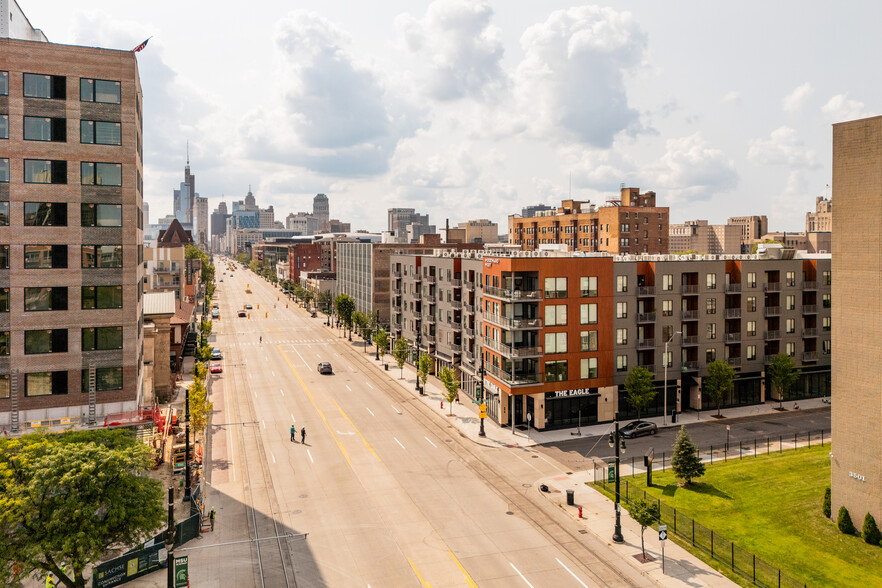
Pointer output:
x,y
268,341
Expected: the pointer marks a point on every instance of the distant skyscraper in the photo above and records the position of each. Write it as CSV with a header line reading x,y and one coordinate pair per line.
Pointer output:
x,y
249,200
321,210
146,209
267,217
185,198
530,211
407,225
219,221
202,228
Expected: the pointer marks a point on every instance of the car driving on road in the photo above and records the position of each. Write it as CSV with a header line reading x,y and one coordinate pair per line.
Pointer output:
x,y
325,368
638,428
216,354
216,367
248,307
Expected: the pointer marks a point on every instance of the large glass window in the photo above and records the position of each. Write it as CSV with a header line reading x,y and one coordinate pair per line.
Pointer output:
x,y
825,301
45,256
4,126
710,331
711,281
751,304
621,363
102,256
751,280
555,315
38,171
711,305
4,257
790,326
751,328
751,352
555,287
45,383
555,342
100,132
587,314
667,282
37,299
825,323
100,174
621,283
556,371
710,355
4,386
4,342
38,128
588,367
4,214
102,338
4,300
45,341
101,297
621,336
790,302
4,170
46,214
667,308
621,310
106,379
588,340
4,83
588,286
43,86
101,215
105,91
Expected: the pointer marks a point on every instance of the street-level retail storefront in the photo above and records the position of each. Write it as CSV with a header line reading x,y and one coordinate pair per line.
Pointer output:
x,y
571,408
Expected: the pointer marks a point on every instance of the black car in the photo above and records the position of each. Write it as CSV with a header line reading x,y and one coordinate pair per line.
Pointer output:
x,y
325,368
638,428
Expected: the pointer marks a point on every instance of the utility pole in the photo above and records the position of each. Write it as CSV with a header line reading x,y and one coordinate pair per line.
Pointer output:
x,y
376,343
187,445
615,440
170,537
479,393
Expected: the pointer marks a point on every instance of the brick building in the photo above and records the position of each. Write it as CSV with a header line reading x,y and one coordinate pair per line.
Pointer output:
x,y
700,237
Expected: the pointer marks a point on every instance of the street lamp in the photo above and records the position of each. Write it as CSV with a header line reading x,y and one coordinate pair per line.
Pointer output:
x,y
671,338
187,446
416,362
480,390
616,440
377,343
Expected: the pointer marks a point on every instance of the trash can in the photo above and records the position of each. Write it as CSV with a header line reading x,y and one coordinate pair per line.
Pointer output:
x,y
386,366
571,497
673,416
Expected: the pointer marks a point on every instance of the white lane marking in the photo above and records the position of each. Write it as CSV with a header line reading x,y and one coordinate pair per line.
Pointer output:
x,y
293,420
263,422
255,393
348,388
571,573
430,442
369,385
310,456
396,409
399,442
528,463
300,356
369,410
282,391
274,456
521,575
274,374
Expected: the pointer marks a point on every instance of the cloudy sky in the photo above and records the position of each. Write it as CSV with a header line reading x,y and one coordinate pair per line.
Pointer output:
x,y
476,108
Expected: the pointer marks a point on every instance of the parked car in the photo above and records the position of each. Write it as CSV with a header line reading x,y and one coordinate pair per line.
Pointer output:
x,y
325,368
248,307
242,314
215,313
216,354
216,367
638,428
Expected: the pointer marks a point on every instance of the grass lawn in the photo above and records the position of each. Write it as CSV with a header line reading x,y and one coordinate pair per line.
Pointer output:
x,y
771,505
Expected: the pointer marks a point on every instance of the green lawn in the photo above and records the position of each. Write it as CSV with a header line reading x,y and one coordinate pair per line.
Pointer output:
x,y
771,505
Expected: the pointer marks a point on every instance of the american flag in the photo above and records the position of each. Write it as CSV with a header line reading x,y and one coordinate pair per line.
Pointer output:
x,y
141,46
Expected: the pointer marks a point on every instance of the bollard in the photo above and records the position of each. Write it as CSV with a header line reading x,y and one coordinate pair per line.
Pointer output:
x,y
580,512
266,315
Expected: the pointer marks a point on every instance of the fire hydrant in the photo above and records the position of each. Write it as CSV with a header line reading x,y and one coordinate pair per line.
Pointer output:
x,y
580,512
442,405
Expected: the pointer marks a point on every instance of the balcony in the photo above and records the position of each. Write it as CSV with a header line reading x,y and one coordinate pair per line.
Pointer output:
x,y
689,315
809,333
469,332
645,290
513,379
772,287
689,341
457,327
689,289
689,366
430,279
646,344
646,317
469,357
513,323
809,356
457,304
733,288
809,309
733,337
418,278
504,294
164,269
650,367
470,286
429,339
773,335
396,310
468,308
809,285
456,283
395,273
772,311
734,361
733,313
429,299
456,348
430,318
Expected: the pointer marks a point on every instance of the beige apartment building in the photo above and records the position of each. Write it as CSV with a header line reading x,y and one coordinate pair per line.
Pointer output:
x,y
700,237
473,231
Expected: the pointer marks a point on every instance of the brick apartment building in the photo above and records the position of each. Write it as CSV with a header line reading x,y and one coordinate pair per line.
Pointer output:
x,y
633,224
71,230
559,333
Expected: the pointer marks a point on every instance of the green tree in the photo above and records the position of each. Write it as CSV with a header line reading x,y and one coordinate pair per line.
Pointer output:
x,y
199,371
323,301
243,258
645,514
191,252
205,328
844,522
783,374
382,341
870,532
451,385
828,507
71,501
200,407
203,352
424,364
254,266
639,391
345,306
718,382
685,461
400,353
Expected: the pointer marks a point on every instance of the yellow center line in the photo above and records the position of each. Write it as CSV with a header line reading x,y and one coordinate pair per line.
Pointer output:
x,y
417,572
366,444
311,399
469,580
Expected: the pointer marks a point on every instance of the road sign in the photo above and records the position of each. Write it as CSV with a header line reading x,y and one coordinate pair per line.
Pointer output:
x,y
662,532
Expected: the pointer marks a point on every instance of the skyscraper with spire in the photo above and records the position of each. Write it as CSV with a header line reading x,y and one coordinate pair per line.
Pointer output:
x,y
186,196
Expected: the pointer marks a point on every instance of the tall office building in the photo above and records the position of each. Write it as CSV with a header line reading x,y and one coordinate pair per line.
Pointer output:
x,y
146,209
855,466
184,198
321,211
200,207
407,225
71,221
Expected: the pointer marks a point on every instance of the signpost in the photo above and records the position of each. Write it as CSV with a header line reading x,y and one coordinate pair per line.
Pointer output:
x,y
482,415
662,535
647,463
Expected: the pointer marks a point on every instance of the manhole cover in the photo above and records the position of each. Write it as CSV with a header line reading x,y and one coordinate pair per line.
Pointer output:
x,y
508,512
296,512
303,495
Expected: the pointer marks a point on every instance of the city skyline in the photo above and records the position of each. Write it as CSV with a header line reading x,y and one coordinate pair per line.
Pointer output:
x,y
491,107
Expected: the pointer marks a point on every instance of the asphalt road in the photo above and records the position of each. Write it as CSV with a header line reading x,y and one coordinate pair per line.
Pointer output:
x,y
712,432
384,492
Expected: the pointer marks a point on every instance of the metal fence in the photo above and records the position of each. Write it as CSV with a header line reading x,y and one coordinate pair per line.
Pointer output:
x,y
737,559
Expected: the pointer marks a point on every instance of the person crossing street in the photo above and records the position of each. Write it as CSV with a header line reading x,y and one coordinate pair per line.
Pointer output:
x,y
293,434
303,435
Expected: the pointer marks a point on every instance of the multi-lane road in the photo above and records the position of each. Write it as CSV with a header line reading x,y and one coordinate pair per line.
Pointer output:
x,y
384,492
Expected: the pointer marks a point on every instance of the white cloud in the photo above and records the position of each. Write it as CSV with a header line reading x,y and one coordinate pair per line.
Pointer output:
x,y
840,108
782,147
570,82
456,168
596,170
732,98
463,47
794,101
691,170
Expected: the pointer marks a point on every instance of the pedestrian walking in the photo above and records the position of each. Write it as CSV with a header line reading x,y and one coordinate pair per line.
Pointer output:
x,y
261,338
293,434
211,516
303,435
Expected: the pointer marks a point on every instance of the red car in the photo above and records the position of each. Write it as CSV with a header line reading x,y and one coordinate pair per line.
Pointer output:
x,y
216,368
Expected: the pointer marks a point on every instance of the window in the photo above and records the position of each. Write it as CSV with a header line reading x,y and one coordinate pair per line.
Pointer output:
x,y
667,308
668,358
104,91
751,279
45,256
790,349
101,297
710,306
825,346
4,83
621,283
4,342
621,363
710,355
825,323
588,314
45,214
101,215
790,278
588,286
4,257
711,331
790,326
556,371
625,228
751,304
45,172
711,281
102,256
45,383
4,214
99,132
667,282
4,386
751,328
37,128
45,341
41,86
555,287
588,340
4,170
751,352
45,299
825,300
102,338
588,368
621,310
4,300
4,126
555,315
825,278
621,336
790,302
555,342
100,174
